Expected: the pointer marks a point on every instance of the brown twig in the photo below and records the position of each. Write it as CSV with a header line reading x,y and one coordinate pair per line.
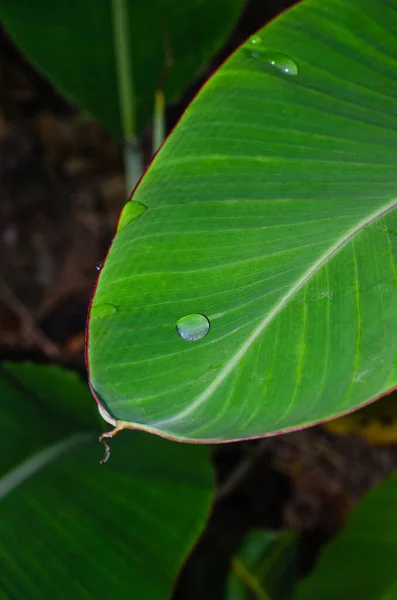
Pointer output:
x,y
102,439
47,346
108,435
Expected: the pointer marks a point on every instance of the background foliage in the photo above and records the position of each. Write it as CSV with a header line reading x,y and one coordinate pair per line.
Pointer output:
x,y
125,527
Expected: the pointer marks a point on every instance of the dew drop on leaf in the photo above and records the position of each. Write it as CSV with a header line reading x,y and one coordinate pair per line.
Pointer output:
x,y
131,211
99,266
274,60
193,327
283,63
103,310
256,40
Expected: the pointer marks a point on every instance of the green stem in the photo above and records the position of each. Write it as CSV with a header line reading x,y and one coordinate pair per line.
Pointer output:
x,y
133,162
124,66
158,120
123,54
249,580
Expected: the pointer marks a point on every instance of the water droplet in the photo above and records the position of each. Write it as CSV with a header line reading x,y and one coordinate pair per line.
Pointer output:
x,y
284,63
193,327
131,211
256,39
102,310
274,60
99,266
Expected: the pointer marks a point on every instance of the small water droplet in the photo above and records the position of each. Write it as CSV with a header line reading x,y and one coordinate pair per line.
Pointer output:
x,y
99,266
102,310
131,211
193,327
284,63
256,39
275,60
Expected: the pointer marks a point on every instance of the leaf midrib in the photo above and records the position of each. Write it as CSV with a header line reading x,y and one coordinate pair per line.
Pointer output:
x,y
300,283
35,463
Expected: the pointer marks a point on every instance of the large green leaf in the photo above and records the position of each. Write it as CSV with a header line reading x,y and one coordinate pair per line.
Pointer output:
x,y
73,44
361,561
71,528
271,211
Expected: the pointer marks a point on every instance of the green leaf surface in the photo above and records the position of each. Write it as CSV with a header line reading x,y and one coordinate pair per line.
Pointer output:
x,y
361,561
271,212
73,44
72,528
264,568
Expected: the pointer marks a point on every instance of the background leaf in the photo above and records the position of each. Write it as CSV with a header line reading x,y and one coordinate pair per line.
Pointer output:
x,y
58,390
70,527
73,44
40,404
265,567
360,561
272,212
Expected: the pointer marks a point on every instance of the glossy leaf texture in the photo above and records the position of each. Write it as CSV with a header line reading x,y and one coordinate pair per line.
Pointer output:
x,y
361,561
271,211
73,44
72,528
264,568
